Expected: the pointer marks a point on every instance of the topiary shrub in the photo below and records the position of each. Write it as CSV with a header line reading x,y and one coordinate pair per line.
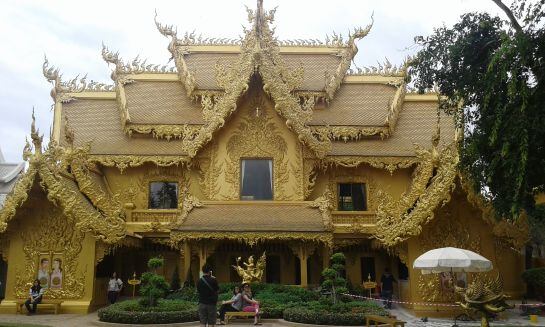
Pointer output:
x,y
333,280
133,312
154,286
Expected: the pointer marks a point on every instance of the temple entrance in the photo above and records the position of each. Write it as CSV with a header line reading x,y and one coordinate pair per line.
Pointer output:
x,y
127,260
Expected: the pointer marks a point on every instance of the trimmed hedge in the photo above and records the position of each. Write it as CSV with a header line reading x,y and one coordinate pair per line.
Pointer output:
x,y
166,311
307,316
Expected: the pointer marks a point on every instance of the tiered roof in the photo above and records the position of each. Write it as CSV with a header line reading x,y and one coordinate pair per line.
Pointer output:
x,y
9,173
167,112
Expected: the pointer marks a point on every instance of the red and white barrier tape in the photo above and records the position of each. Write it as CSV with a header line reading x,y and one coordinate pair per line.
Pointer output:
x,y
431,304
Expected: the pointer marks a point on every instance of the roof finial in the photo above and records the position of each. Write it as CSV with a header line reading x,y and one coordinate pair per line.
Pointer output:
x,y
259,18
37,139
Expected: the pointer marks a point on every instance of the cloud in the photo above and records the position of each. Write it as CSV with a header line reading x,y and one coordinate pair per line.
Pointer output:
x,y
71,32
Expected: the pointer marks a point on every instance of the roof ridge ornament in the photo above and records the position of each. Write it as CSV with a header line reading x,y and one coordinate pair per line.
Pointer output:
x,y
60,90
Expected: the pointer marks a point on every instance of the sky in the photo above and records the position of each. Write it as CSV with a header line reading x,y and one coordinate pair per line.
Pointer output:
x,y
71,33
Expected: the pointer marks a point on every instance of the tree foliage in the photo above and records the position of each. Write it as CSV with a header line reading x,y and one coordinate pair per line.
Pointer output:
x,y
491,71
333,277
154,286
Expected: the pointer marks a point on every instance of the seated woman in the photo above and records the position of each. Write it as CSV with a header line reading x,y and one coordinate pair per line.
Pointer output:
x,y
36,292
248,303
235,304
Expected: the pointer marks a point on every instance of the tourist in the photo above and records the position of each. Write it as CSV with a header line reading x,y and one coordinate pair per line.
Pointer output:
x,y
233,305
387,287
248,302
208,288
36,292
115,285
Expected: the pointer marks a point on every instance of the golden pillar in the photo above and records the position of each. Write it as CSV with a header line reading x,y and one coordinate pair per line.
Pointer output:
x,y
186,249
303,251
326,256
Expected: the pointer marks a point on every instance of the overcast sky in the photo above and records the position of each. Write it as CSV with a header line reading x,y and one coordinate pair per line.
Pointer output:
x,y
71,34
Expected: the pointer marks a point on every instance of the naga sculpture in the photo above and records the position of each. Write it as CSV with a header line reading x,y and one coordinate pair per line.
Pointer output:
x,y
253,272
485,297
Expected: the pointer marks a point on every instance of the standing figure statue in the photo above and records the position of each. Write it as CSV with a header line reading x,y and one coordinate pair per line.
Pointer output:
x,y
251,272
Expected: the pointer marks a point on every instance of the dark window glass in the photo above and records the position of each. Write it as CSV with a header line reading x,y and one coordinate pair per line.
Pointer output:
x,y
352,197
256,179
163,195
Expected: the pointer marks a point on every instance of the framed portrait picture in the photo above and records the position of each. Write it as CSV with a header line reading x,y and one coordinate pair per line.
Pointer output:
x,y
56,271
44,269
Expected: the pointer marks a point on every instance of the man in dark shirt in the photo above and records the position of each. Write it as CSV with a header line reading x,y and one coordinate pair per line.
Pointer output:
x,y
208,297
387,287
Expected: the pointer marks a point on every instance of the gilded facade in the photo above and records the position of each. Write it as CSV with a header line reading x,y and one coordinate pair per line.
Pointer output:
x,y
239,147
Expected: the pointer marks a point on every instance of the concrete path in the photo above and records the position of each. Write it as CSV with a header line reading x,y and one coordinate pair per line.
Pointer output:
x,y
73,320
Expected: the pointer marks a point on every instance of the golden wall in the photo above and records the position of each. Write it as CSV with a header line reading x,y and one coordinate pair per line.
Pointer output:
x,y
41,230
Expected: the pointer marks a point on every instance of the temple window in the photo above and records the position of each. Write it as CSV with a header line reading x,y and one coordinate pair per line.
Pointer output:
x,y
352,197
163,195
256,181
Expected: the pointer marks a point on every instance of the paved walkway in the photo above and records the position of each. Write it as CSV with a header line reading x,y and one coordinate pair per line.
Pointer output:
x,y
73,320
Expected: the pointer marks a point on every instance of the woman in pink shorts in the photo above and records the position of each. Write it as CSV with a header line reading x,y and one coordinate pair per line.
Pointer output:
x,y
248,303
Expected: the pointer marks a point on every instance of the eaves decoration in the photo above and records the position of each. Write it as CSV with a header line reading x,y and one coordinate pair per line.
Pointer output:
x,y
333,82
432,183
61,189
259,53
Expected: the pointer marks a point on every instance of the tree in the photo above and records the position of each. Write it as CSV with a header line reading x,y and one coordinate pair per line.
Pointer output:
x,y
491,71
154,286
333,280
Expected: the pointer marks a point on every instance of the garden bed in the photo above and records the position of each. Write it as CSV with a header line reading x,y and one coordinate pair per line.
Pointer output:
x,y
166,311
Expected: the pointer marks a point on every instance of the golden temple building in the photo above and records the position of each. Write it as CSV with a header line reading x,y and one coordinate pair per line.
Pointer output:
x,y
243,146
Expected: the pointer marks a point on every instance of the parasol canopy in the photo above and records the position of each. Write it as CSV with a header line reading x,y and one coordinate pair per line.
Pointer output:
x,y
451,259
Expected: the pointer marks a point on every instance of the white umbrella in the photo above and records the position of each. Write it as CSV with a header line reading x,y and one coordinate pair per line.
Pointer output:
x,y
451,260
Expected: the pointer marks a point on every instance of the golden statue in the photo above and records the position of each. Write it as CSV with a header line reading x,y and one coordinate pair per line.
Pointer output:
x,y
485,297
253,272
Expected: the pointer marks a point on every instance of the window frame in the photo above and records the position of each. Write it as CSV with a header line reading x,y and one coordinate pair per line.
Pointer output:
x,y
366,195
164,181
271,159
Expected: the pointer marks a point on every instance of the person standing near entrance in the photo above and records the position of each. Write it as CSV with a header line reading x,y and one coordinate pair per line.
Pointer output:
x,y
387,286
115,285
208,288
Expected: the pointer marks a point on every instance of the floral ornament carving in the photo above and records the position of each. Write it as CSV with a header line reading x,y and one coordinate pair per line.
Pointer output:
x,y
257,137
252,238
431,186
388,163
62,190
333,82
350,133
57,233
209,171
325,203
259,52
166,132
442,233
188,203
515,234
123,162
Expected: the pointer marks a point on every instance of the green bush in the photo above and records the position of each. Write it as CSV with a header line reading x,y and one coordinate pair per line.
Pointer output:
x,y
324,313
186,294
535,277
154,286
133,312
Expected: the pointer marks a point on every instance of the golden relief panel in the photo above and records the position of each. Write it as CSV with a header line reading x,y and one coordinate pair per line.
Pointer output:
x,y
59,241
446,231
257,137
